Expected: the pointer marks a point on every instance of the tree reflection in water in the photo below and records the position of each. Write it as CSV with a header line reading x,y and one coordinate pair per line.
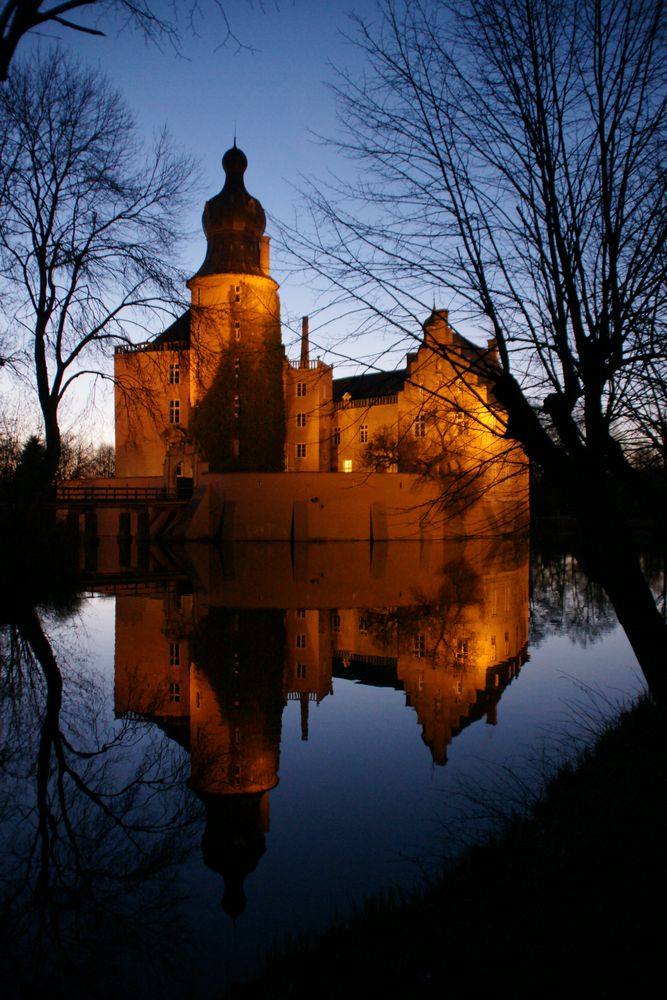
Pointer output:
x,y
95,817
97,812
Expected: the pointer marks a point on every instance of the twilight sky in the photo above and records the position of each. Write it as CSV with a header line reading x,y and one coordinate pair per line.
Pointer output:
x,y
272,92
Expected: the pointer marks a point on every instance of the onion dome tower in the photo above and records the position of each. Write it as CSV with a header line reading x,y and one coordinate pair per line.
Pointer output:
x,y
237,358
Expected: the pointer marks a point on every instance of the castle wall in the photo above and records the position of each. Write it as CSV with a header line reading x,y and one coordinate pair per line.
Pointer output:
x,y
319,506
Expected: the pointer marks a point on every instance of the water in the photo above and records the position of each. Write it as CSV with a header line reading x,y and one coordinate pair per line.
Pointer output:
x,y
224,772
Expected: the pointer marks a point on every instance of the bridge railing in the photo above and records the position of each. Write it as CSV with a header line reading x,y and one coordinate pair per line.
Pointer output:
x,y
111,494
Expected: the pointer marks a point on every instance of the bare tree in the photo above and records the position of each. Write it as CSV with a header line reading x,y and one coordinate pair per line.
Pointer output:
x,y
89,225
513,159
158,22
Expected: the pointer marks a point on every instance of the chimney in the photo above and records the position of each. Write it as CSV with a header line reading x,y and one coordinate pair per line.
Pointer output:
x,y
305,350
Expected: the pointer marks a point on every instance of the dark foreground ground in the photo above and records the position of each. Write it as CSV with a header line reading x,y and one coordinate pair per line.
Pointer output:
x,y
571,900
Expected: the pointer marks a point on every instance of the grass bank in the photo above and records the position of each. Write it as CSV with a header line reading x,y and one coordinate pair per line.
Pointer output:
x,y
569,898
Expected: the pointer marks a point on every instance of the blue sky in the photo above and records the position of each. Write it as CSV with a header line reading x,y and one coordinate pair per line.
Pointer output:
x,y
272,91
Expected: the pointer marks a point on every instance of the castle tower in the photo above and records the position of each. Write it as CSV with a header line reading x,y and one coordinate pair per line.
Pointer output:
x,y
236,354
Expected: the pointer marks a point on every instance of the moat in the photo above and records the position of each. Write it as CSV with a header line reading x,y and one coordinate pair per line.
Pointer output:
x,y
251,740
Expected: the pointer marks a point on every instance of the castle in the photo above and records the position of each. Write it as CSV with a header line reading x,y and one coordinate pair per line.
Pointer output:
x,y
214,396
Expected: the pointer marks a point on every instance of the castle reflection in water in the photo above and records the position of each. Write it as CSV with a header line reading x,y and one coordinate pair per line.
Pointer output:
x,y
213,652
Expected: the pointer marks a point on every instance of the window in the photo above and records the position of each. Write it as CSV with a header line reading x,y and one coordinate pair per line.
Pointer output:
x,y
420,426
347,465
301,640
301,388
237,774
237,331
336,436
363,625
363,433
301,451
301,612
461,421
237,293
237,737
237,368
174,692
174,654
301,670
335,622
301,420
461,650
174,411
237,407
419,647
179,469
174,373
198,699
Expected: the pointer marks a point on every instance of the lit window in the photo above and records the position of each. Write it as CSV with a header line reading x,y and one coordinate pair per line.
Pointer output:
x,y
363,433
462,650
419,647
347,465
301,388
301,670
174,654
420,427
301,420
174,411
336,435
174,373
301,451
301,640
174,692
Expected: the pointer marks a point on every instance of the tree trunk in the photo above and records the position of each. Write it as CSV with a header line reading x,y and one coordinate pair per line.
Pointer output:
x,y
608,555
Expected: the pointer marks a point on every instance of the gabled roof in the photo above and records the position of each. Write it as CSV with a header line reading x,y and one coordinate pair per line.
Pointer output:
x,y
372,385
177,333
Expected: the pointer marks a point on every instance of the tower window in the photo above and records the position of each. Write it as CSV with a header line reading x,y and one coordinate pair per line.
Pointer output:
x,y
301,612
301,640
363,625
301,388
301,420
237,331
301,670
335,622
336,435
363,433
301,451
419,647
174,411
174,373
420,427
237,367
174,692
174,654
237,407
237,293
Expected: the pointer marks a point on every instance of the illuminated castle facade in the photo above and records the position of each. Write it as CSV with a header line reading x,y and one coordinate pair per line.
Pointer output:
x,y
214,394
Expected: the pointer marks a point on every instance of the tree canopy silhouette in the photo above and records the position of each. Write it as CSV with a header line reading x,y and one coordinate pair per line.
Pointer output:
x,y
512,162
89,227
159,23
